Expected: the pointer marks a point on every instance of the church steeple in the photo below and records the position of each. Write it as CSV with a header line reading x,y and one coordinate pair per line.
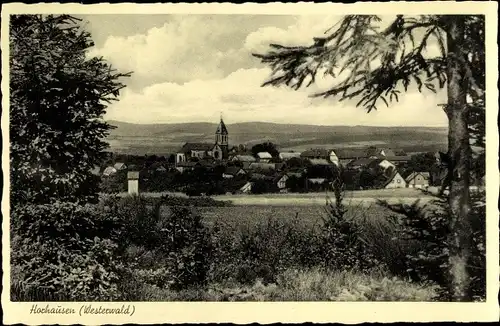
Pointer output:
x,y
221,133
221,139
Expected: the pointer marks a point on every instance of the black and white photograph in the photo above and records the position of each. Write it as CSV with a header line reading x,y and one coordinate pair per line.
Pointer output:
x,y
155,156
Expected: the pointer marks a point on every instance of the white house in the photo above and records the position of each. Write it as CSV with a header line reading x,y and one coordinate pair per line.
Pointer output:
x,y
418,180
247,188
281,182
110,170
285,156
120,166
264,157
396,181
133,182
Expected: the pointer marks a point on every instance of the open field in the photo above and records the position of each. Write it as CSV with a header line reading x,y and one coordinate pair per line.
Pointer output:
x,y
361,197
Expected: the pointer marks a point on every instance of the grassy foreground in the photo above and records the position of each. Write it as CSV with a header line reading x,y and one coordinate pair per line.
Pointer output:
x,y
295,285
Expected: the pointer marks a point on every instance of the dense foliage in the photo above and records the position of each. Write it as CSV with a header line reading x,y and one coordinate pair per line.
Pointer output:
x,y
57,98
429,225
72,251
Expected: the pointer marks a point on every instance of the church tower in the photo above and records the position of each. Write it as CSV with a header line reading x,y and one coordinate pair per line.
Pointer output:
x,y
221,138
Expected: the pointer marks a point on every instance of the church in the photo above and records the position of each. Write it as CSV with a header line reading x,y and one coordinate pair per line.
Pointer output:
x,y
218,150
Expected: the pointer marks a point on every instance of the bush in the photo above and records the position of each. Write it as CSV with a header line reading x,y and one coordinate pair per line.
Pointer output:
x,y
186,242
263,250
70,251
429,225
343,247
173,240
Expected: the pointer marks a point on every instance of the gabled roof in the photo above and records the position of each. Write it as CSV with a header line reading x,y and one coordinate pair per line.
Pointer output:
x,y
264,155
109,170
319,161
363,162
120,166
263,166
316,152
244,158
188,147
317,180
390,178
295,174
259,176
350,153
221,128
233,170
413,175
289,155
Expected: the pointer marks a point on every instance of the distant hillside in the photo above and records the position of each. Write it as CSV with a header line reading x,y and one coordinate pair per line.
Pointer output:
x,y
166,138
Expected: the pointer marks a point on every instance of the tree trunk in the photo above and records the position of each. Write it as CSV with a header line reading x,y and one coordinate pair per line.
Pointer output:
x,y
460,154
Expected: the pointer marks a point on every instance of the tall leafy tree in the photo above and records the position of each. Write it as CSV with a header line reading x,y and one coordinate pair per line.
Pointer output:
x,y
374,64
57,100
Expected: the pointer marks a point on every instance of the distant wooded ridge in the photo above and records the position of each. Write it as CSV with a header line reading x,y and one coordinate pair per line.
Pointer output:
x,y
162,138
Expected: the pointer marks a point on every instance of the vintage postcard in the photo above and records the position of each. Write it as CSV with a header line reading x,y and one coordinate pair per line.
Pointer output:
x,y
208,163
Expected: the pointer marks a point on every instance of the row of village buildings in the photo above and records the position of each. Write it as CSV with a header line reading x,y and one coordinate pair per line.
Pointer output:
x,y
263,166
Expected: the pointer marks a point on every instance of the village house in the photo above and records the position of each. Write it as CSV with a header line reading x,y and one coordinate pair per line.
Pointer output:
x,y
320,162
246,188
264,157
245,160
280,181
263,167
232,171
120,166
344,156
285,156
320,153
108,171
186,166
418,180
395,181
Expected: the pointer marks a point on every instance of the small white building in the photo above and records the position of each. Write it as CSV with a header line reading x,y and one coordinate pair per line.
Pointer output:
x,y
133,182
264,157
247,188
396,181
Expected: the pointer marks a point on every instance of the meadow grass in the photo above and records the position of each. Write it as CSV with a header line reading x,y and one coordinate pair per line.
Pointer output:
x,y
302,285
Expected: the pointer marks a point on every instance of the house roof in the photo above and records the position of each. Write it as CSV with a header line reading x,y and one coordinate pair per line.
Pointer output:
x,y
279,176
263,166
350,153
259,176
233,170
319,161
289,155
196,147
412,175
315,152
390,178
109,170
221,128
362,162
244,158
317,180
119,165
295,174
264,155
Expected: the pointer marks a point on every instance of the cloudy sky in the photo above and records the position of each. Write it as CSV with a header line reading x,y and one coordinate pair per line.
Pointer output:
x,y
192,68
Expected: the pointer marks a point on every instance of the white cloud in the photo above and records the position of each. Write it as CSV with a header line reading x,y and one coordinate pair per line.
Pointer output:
x,y
239,98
